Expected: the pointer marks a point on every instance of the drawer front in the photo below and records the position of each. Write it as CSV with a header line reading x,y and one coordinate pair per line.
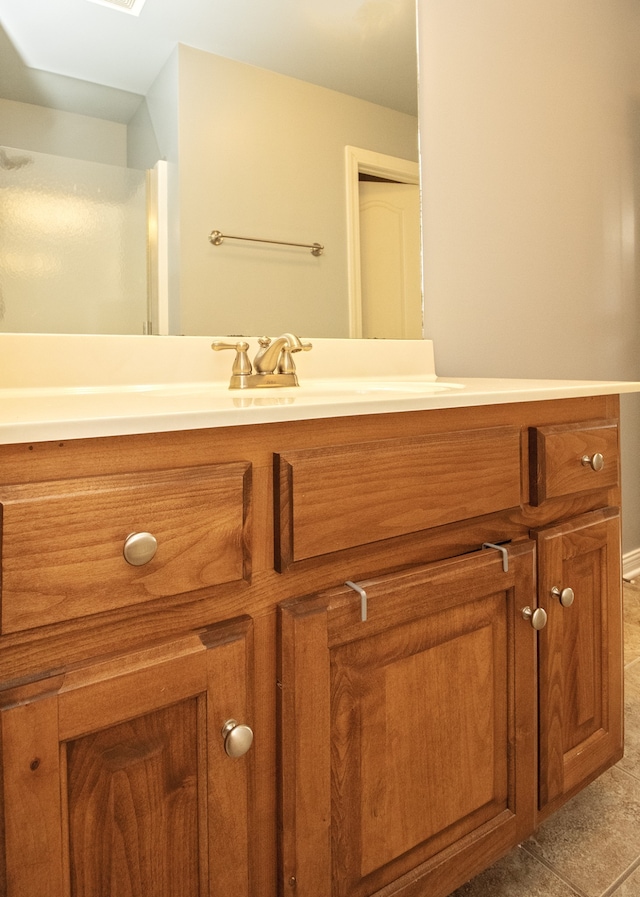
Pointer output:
x,y
63,541
338,497
572,458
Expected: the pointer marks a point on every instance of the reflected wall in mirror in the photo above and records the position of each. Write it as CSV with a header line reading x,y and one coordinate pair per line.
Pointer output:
x,y
241,113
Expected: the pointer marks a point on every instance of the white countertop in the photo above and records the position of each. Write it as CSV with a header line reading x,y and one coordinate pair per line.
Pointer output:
x,y
60,388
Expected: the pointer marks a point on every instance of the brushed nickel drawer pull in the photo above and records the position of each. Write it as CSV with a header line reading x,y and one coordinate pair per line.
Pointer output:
x,y
537,617
565,596
595,462
139,548
237,738
503,551
363,599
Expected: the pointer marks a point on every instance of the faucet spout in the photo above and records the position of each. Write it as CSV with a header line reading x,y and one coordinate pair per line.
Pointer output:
x,y
276,355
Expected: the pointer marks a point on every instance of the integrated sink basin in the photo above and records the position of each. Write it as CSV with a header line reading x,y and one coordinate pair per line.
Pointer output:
x,y
367,387
332,390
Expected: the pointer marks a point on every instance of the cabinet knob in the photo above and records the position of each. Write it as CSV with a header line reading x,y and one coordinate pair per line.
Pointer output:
x,y
139,548
237,737
595,462
566,596
537,617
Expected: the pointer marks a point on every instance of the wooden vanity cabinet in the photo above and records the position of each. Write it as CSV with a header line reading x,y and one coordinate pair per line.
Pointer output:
x,y
407,733
338,586
429,718
115,774
580,676
118,712
580,586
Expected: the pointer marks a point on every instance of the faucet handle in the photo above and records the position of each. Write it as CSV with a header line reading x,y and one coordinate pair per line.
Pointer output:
x,y
286,365
241,365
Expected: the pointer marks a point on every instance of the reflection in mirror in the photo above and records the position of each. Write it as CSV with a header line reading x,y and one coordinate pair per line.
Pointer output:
x,y
240,118
74,247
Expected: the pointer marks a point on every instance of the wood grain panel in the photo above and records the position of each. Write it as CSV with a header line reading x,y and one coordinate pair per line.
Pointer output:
x,y
418,696
334,498
556,459
62,541
117,786
133,806
34,846
580,654
428,748
304,751
229,813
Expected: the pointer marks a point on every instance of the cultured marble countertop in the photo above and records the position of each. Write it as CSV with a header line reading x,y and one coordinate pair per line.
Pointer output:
x,y
75,387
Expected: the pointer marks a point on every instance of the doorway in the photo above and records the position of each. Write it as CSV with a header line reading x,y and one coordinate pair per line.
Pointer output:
x,y
383,244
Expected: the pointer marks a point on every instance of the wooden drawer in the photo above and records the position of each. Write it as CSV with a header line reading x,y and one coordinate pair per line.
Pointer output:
x,y
556,458
63,541
338,497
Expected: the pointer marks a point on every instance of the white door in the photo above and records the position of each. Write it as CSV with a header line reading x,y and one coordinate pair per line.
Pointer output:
x,y
390,260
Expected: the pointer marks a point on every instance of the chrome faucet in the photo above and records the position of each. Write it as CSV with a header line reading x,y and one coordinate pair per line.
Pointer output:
x,y
273,363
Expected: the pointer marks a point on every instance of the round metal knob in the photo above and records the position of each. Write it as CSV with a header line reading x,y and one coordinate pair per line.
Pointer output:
x,y
139,548
537,617
595,462
237,737
566,596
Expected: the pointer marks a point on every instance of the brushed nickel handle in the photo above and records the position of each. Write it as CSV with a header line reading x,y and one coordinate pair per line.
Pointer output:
x,y
566,596
595,462
537,617
241,363
237,738
139,548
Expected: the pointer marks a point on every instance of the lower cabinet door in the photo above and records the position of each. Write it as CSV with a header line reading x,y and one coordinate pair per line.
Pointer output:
x,y
116,779
407,733
581,662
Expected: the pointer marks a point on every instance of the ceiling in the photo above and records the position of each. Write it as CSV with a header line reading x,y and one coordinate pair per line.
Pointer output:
x,y
56,52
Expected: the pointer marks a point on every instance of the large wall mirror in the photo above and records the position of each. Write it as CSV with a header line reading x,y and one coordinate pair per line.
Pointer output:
x,y
130,130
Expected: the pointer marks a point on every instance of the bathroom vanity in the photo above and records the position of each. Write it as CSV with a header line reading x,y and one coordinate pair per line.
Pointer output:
x,y
377,642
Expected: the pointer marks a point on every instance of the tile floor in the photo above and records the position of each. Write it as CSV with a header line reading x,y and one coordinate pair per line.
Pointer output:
x,y
591,847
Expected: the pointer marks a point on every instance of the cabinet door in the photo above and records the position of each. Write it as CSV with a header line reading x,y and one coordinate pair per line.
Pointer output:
x,y
581,729
407,738
116,780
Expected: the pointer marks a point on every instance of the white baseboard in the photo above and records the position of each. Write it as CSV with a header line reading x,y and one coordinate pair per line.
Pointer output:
x,y
631,564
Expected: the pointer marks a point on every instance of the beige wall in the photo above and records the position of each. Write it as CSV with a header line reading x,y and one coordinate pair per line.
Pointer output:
x,y
263,155
527,134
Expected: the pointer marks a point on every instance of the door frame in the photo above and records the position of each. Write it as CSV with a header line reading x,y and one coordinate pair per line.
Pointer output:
x,y
392,168
157,250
